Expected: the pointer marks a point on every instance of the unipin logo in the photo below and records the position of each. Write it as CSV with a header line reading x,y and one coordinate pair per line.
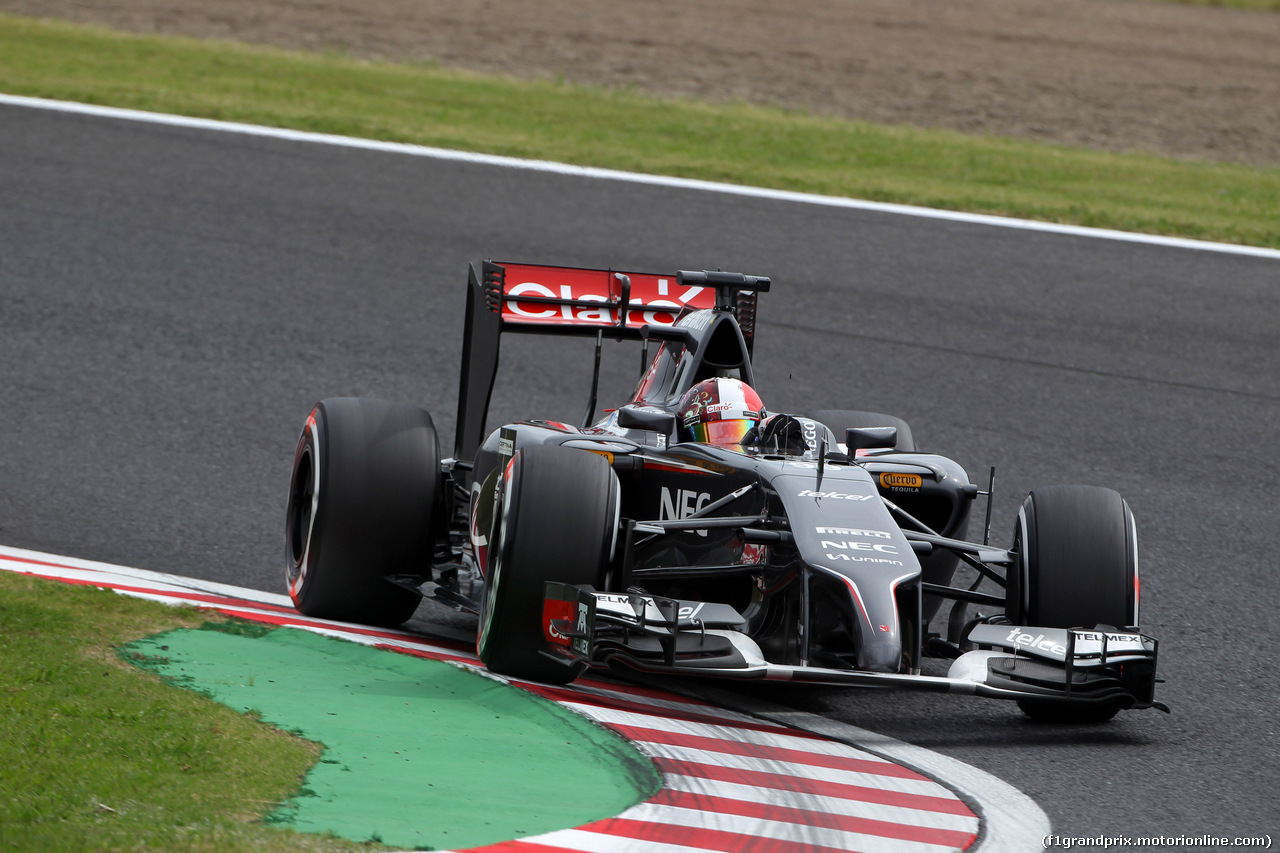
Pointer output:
x,y
856,558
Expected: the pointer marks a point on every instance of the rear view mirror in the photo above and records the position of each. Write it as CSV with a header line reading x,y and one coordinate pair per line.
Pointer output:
x,y
870,438
650,420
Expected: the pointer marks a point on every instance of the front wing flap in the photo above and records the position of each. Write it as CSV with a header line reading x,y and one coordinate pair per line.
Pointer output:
x,y
662,635
677,634
1085,665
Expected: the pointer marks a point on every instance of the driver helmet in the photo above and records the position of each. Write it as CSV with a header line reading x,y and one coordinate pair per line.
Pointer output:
x,y
719,411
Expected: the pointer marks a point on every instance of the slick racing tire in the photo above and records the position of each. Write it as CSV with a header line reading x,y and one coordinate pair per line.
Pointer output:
x,y
557,521
1077,567
839,420
364,503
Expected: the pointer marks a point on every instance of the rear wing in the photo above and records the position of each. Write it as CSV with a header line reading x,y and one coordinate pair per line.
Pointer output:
x,y
536,299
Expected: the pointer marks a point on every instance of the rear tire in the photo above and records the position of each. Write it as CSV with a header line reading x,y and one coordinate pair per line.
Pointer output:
x,y
1077,567
364,503
556,520
840,420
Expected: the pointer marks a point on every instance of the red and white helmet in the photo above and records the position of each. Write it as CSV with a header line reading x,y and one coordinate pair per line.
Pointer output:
x,y
720,411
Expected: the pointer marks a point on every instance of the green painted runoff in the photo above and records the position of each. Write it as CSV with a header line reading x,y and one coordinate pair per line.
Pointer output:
x,y
417,753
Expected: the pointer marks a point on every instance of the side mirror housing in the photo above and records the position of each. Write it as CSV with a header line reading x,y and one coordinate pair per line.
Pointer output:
x,y
650,420
870,438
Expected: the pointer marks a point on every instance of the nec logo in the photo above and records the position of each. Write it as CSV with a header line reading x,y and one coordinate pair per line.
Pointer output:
x,y
860,546
835,496
682,504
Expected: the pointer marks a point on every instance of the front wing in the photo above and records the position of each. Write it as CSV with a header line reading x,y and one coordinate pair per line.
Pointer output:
x,y
661,635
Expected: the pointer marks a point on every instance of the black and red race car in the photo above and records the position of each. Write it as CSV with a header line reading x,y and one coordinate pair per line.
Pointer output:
x,y
814,547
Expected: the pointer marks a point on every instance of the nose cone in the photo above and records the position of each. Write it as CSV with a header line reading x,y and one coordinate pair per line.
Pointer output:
x,y
881,655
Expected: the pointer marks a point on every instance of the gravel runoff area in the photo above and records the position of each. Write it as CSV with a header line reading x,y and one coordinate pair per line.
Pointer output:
x,y
1120,75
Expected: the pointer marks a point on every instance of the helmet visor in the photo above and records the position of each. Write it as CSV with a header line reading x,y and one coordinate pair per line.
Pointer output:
x,y
725,433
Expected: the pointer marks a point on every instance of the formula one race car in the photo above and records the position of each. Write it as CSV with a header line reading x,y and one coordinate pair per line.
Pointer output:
x,y
691,532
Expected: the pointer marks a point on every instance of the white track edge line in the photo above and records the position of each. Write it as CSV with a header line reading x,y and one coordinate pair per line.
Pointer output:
x,y
36,558
633,177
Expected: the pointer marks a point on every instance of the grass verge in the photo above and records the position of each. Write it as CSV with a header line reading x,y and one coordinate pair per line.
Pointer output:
x,y
97,755
623,129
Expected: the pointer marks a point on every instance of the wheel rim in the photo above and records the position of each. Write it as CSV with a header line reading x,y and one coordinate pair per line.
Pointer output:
x,y
304,496
497,543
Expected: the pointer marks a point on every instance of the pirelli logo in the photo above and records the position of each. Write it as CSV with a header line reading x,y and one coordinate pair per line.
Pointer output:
x,y
891,480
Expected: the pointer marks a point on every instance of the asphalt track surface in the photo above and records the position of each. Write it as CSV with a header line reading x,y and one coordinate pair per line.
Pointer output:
x,y
174,301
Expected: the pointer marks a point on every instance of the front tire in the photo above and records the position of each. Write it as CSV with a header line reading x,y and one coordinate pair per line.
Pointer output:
x,y
556,520
364,503
1077,567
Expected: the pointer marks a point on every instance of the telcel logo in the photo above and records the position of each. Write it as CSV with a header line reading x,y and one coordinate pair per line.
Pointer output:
x,y
1037,641
689,613
835,496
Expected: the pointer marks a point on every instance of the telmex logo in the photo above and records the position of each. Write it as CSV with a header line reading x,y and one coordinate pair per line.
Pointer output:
x,y
900,481
1119,639
662,311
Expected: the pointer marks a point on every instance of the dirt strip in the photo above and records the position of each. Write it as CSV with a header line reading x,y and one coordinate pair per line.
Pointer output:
x,y
1186,81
